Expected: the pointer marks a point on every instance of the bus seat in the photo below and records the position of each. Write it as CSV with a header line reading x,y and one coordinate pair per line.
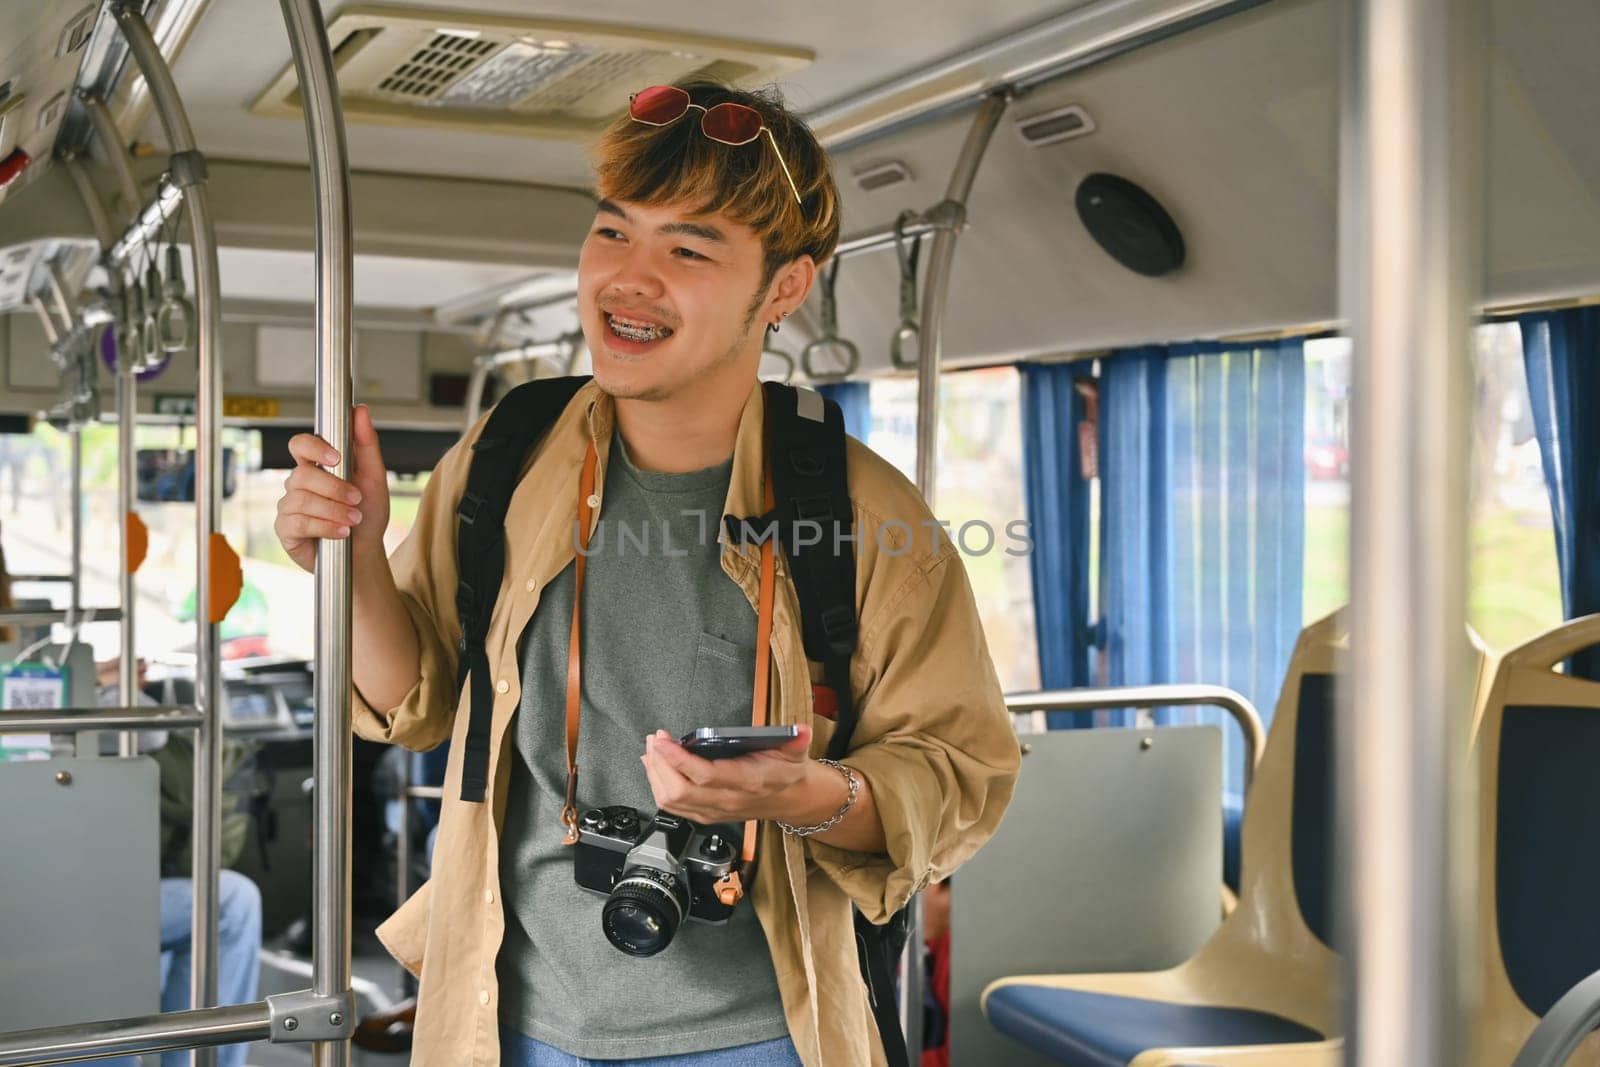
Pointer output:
x,y
1267,978
1263,990
1539,806
1232,831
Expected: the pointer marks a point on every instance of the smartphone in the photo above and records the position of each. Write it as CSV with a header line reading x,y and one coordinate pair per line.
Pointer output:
x,y
721,742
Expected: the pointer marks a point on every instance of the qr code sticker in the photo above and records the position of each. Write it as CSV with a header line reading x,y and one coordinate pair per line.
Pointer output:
x,y
31,688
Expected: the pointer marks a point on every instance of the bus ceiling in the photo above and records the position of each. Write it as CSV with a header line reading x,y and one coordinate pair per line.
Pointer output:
x,y
1226,113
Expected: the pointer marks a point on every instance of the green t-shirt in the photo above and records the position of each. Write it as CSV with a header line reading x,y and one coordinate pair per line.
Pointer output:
x,y
668,643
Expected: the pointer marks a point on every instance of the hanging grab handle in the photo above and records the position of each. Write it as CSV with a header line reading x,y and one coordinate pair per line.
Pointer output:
x,y
769,352
830,340
175,318
130,318
150,331
907,336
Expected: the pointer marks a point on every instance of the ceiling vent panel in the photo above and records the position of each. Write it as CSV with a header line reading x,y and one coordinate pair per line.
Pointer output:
x,y
504,74
76,32
1062,124
882,176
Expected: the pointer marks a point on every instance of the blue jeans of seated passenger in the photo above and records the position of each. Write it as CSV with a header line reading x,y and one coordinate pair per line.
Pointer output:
x,y
238,956
519,1050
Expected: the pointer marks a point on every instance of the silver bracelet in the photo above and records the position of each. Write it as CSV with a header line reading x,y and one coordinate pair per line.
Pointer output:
x,y
838,816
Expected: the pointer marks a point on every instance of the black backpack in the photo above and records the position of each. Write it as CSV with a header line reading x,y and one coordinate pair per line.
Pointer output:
x,y
807,438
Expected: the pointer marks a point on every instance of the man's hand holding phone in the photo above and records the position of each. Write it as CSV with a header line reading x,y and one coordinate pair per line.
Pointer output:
x,y
766,784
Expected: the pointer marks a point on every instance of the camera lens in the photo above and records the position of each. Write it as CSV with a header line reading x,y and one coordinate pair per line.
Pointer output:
x,y
644,910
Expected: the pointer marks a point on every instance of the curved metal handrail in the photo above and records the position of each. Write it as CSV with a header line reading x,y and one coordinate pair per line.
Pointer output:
x,y
82,720
563,349
200,1028
1155,696
1574,1017
187,171
334,257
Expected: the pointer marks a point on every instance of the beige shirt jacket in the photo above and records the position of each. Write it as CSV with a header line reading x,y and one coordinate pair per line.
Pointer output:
x,y
933,737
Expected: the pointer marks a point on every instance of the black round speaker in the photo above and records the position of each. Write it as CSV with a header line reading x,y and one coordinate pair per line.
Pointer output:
x,y
1130,224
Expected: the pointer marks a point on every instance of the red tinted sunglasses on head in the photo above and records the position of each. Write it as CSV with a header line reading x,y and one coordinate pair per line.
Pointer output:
x,y
726,123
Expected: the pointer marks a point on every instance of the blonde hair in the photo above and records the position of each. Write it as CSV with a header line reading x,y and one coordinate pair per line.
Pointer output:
x,y
678,164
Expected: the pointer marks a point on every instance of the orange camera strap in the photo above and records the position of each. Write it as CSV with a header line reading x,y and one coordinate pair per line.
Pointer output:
x,y
732,886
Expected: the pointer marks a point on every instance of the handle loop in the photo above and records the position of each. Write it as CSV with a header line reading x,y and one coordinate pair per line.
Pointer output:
x,y
175,318
830,339
907,336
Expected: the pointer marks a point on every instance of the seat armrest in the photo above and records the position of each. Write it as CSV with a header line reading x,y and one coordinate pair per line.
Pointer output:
x,y
1329,1053
1564,1026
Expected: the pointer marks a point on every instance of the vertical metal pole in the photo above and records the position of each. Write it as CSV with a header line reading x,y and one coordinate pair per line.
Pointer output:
x,y
936,297
330,180
188,172
1412,227
402,859
402,849
75,443
105,128
127,406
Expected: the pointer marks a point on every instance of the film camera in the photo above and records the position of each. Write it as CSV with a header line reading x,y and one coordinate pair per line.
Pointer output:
x,y
654,871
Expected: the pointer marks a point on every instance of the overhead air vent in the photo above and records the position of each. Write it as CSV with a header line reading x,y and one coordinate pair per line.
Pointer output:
x,y
429,70
76,32
1063,124
52,111
503,74
873,178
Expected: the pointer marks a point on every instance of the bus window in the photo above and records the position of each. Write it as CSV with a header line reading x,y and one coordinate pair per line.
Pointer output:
x,y
273,614
1515,581
979,495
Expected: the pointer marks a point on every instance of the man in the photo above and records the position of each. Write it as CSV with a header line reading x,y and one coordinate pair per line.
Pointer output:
x,y
711,225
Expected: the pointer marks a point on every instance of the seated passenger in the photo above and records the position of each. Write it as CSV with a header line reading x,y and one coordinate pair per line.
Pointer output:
x,y
238,899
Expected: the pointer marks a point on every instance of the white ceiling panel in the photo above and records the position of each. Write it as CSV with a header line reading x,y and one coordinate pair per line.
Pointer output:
x,y
380,281
239,49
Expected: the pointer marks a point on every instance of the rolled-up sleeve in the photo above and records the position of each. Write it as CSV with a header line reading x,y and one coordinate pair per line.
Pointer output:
x,y
424,567
933,739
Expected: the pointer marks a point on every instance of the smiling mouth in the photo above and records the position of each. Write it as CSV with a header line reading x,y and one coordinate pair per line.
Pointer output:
x,y
636,331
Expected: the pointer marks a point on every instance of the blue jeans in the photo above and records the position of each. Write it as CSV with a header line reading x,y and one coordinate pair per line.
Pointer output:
x,y
519,1050
238,963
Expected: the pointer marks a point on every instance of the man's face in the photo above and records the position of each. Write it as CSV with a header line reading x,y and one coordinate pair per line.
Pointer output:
x,y
668,300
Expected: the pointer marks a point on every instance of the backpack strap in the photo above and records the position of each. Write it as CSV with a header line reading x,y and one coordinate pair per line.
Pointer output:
x,y
806,438
878,951
517,422
815,522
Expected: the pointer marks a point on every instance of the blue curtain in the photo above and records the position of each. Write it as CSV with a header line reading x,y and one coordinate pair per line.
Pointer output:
x,y
1056,495
1135,539
1203,519
855,400
1562,352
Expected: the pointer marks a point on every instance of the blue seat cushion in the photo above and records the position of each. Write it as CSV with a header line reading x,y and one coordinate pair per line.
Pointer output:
x,y
1100,1030
1547,870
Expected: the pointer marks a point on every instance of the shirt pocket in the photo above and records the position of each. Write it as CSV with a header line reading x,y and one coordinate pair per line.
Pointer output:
x,y
723,683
